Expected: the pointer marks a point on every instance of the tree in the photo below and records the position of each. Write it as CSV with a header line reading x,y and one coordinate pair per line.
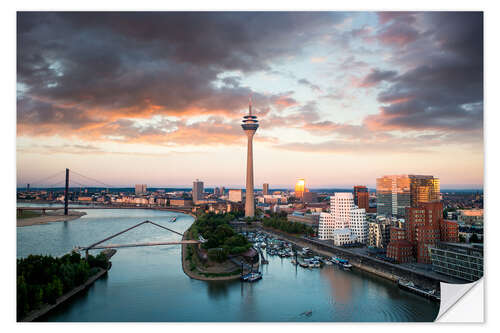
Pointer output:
x,y
217,254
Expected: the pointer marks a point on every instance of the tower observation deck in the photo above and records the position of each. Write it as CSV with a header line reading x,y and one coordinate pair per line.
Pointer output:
x,y
250,125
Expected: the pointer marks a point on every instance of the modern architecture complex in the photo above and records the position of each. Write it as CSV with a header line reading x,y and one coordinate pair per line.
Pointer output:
x,y
197,191
395,193
424,228
345,221
250,125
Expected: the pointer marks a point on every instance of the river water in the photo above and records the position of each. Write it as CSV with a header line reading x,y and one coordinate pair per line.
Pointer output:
x,y
148,285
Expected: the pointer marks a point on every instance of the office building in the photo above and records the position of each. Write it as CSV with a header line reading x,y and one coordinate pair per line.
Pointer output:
x,y
250,125
424,228
379,234
400,251
463,261
395,193
361,198
140,188
343,215
235,195
219,191
423,189
326,226
265,189
423,224
300,188
309,197
197,191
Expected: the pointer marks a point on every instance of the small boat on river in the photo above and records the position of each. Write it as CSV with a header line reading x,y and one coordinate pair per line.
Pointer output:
x,y
251,277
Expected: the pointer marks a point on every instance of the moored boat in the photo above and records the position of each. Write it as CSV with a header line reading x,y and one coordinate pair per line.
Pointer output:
x,y
410,286
251,277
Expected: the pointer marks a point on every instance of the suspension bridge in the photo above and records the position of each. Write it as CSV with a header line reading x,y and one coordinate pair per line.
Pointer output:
x,y
56,180
63,179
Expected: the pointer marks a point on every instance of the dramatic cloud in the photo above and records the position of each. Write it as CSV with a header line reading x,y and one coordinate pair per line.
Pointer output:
x,y
445,90
88,70
175,79
377,76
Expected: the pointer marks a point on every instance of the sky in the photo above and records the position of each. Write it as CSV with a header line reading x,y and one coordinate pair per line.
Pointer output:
x,y
342,97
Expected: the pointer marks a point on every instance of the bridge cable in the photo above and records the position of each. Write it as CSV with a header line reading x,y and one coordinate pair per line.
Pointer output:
x,y
90,178
39,181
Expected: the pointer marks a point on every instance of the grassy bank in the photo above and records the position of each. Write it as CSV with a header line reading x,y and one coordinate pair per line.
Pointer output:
x,y
210,271
26,214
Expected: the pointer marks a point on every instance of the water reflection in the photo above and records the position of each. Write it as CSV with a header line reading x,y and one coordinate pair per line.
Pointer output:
x,y
218,289
340,284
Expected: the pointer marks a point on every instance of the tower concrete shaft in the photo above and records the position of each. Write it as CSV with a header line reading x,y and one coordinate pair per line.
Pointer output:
x,y
249,201
66,192
250,125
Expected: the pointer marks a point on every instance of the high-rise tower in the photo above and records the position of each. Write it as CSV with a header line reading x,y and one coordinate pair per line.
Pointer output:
x,y
250,125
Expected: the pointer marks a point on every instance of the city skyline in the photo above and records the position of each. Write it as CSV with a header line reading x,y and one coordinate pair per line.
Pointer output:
x,y
342,98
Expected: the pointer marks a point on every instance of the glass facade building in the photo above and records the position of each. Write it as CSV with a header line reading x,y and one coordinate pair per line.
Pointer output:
x,y
423,189
393,195
463,261
397,192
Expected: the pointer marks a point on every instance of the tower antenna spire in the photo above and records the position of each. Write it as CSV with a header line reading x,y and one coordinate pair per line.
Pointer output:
x,y
250,105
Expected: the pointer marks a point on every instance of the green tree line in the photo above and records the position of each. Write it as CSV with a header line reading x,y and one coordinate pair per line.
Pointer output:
x,y
280,222
221,239
42,279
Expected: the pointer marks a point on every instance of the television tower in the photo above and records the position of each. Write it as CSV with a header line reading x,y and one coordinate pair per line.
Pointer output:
x,y
250,125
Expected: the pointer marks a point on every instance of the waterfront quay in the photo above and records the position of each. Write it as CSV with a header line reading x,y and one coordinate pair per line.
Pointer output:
x,y
393,272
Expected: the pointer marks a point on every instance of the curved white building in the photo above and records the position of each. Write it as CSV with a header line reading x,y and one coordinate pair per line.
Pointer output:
x,y
343,215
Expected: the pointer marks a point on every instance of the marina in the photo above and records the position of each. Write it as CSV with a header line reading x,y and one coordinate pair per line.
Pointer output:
x,y
308,259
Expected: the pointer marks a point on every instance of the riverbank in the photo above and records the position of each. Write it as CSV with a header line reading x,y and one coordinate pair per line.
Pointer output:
x,y
50,217
36,314
388,271
218,272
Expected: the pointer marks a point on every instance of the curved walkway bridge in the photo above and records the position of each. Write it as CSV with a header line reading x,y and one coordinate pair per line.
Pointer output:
x,y
98,245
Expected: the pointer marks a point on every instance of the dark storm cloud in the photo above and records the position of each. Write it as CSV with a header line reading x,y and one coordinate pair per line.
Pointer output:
x,y
443,89
109,65
376,76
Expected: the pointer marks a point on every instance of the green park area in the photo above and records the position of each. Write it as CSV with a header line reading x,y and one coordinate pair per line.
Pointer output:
x,y
42,279
280,222
25,214
221,239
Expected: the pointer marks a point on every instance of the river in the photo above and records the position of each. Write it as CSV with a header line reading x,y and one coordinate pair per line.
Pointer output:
x,y
147,284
